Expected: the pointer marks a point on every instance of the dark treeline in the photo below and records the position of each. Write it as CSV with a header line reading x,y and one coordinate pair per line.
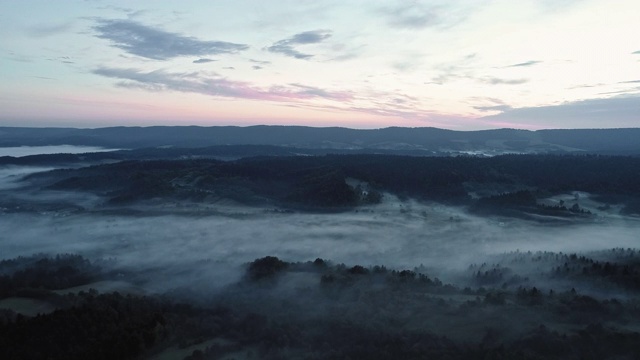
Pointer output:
x,y
616,271
609,141
220,152
319,181
510,203
34,273
321,310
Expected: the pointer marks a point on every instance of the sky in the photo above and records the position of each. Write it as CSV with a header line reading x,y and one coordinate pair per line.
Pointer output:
x,y
462,65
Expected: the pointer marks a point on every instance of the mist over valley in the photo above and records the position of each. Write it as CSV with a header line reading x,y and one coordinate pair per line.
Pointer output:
x,y
375,180
477,256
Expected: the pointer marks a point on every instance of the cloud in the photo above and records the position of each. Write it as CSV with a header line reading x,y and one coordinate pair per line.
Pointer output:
x,y
48,30
485,104
203,61
583,86
629,82
411,16
117,9
633,91
62,59
591,113
455,69
19,57
260,62
636,52
407,65
414,15
310,37
498,81
389,104
215,85
349,55
144,41
500,108
524,64
312,91
287,46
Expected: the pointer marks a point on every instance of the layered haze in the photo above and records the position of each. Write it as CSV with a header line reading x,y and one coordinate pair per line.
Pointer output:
x,y
164,245
164,252
177,254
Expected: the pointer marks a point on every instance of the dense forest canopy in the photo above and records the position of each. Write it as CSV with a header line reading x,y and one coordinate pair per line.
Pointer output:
x,y
322,182
148,278
320,310
426,140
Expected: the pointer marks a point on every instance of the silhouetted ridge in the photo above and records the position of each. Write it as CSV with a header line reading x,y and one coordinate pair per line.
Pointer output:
x,y
393,138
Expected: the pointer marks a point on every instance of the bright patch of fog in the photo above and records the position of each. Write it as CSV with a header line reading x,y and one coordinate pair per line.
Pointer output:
x,y
170,251
585,201
20,151
10,176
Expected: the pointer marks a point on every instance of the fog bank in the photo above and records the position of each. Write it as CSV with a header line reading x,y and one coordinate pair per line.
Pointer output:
x,y
176,250
19,151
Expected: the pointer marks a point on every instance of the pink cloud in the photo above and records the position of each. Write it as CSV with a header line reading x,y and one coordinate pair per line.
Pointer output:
x,y
213,85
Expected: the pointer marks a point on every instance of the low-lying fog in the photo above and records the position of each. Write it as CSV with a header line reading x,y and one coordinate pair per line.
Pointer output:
x,y
174,250
10,176
19,151
196,244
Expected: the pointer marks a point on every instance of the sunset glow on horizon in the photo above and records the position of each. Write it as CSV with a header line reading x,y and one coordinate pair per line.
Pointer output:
x,y
462,65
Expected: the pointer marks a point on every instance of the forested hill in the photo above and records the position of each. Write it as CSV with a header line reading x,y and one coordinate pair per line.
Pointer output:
x,y
320,311
513,182
602,141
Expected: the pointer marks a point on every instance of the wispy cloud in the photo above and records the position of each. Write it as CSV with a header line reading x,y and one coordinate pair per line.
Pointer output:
x,y
636,52
288,46
121,9
387,104
260,62
499,81
632,91
406,65
311,92
215,85
19,57
500,108
49,29
486,104
292,94
411,15
151,43
203,61
595,113
584,86
455,69
62,59
629,82
414,15
524,64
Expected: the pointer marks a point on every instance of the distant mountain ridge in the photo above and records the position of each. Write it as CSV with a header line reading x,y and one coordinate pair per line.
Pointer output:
x,y
490,142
